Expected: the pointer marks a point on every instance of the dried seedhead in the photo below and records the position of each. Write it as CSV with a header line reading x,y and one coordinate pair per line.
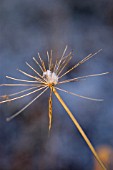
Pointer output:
x,y
50,78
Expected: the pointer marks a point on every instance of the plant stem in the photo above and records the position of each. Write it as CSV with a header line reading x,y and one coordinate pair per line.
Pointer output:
x,y
79,128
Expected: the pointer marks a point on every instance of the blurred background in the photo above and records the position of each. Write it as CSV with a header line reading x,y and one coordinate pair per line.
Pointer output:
x,y
28,27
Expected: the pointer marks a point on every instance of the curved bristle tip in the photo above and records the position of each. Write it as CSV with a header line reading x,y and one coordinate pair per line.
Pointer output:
x,y
8,119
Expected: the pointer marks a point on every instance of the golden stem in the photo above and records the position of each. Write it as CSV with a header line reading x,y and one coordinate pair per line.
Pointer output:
x,y
79,128
50,110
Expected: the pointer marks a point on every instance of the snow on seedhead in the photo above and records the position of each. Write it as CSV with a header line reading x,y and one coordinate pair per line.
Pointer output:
x,y
50,77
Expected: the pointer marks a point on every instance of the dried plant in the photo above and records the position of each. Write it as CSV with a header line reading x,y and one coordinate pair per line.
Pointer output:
x,y
50,79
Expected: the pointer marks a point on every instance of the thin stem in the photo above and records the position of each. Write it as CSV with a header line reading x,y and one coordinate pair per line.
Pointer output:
x,y
35,71
48,60
50,110
64,52
79,128
37,63
17,113
28,75
22,91
38,79
12,78
15,98
51,58
80,62
42,62
74,94
82,77
24,85
55,66
65,62
61,58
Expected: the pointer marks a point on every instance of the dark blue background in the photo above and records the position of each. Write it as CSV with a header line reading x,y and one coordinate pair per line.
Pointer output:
x,y
30,26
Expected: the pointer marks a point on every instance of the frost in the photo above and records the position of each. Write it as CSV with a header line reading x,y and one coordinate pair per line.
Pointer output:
x,y
50,77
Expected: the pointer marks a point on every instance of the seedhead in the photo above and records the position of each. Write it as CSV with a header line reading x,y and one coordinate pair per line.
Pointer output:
x,y
50,79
